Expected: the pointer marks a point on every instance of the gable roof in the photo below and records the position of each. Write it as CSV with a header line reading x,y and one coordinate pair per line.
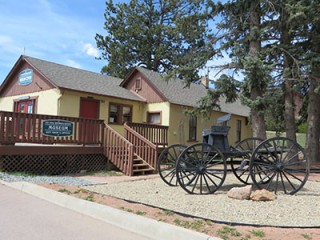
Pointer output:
x,y
175,92
71,78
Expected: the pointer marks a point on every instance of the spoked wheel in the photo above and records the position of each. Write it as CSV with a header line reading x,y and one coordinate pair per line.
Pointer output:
x,y
240,161
167,163
201,169
282,162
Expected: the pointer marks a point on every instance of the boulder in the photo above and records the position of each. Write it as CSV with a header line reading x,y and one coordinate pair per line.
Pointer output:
x,y
262,195
241,193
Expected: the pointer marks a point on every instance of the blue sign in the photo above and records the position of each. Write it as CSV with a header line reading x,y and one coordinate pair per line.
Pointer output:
x,y
25,77
57,128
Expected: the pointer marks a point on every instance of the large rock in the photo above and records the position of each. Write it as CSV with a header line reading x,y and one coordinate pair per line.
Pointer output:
x,y
241,193
263,195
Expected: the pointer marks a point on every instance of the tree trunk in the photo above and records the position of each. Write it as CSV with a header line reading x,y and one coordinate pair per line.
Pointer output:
x,y
313,131
258,123
290,124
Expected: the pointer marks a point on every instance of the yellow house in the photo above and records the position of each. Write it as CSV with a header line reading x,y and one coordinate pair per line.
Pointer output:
x,y
143,99
38,86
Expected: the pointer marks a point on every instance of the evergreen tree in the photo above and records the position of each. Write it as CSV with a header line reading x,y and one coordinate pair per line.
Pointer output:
x,y
161,35
242,36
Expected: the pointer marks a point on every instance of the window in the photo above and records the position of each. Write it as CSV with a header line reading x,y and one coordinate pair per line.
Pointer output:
x,y
154,117
192,128
238,136
119,113
138,84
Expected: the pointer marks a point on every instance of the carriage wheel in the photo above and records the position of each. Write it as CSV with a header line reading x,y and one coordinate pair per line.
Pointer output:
x,y
167,163
282,162
241,160
201,169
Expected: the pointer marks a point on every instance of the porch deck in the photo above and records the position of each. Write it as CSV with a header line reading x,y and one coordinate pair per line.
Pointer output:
x,y
23,145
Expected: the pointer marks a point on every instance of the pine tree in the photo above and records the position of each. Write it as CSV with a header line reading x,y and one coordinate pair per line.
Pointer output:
x,y
161,35
242,37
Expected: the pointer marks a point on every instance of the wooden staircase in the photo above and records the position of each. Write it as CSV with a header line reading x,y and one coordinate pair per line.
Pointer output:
x,y
133,153
141,167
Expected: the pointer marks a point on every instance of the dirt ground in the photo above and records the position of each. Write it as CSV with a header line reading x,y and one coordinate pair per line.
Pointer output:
x,y
211,228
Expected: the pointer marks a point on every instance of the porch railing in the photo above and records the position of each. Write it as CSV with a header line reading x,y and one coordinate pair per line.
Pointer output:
x,y
143,147
157,134
119,150
28,128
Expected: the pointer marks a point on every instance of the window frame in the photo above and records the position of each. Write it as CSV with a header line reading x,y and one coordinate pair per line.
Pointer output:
x,y
152,113
238,130
120,116
138,84
34,103
193,121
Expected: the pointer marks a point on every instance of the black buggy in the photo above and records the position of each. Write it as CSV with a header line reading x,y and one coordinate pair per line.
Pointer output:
x,y
276,164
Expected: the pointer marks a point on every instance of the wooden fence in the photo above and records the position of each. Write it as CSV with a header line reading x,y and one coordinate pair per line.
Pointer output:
x,y
29,128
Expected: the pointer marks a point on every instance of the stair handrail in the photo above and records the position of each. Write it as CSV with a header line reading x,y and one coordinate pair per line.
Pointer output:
x,y
157,134
118,150
143,147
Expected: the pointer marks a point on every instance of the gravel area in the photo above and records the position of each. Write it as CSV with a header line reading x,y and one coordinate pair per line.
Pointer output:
x,y
299,210
63,180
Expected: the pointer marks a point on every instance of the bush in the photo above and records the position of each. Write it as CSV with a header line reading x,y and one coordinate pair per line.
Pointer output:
x,y
302,128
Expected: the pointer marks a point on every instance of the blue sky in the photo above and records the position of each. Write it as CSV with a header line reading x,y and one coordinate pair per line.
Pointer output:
x,y
61,31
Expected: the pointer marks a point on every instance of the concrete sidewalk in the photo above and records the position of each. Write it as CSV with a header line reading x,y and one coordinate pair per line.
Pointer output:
x,y
131,222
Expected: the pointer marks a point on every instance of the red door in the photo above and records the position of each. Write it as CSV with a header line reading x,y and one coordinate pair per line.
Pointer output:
x,y
24,106
89,108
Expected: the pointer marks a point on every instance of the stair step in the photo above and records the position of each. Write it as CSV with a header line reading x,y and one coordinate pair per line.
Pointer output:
x,y
143,170
141,165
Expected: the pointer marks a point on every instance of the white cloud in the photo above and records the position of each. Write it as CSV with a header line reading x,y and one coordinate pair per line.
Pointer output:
x,y
90,50
72,63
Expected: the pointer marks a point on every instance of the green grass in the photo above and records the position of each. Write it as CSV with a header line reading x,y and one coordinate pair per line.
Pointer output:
x,y
21,174
63,190
106,174
301,137
89,198
126,209
140,213
258,233
167,212
228,233
306,236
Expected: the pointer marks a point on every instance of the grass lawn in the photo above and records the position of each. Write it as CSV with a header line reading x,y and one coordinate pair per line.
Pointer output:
x,y
301,137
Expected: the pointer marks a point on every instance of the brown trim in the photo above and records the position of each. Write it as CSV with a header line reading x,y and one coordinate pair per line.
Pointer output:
x,y
131,74
154,112
40,150
35,103
101,95
14,70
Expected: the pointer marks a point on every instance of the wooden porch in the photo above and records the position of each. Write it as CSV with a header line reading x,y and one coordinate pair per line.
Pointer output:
x,y
22,137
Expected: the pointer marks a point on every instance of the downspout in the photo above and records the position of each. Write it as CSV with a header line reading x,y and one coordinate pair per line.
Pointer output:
x,y
59,103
